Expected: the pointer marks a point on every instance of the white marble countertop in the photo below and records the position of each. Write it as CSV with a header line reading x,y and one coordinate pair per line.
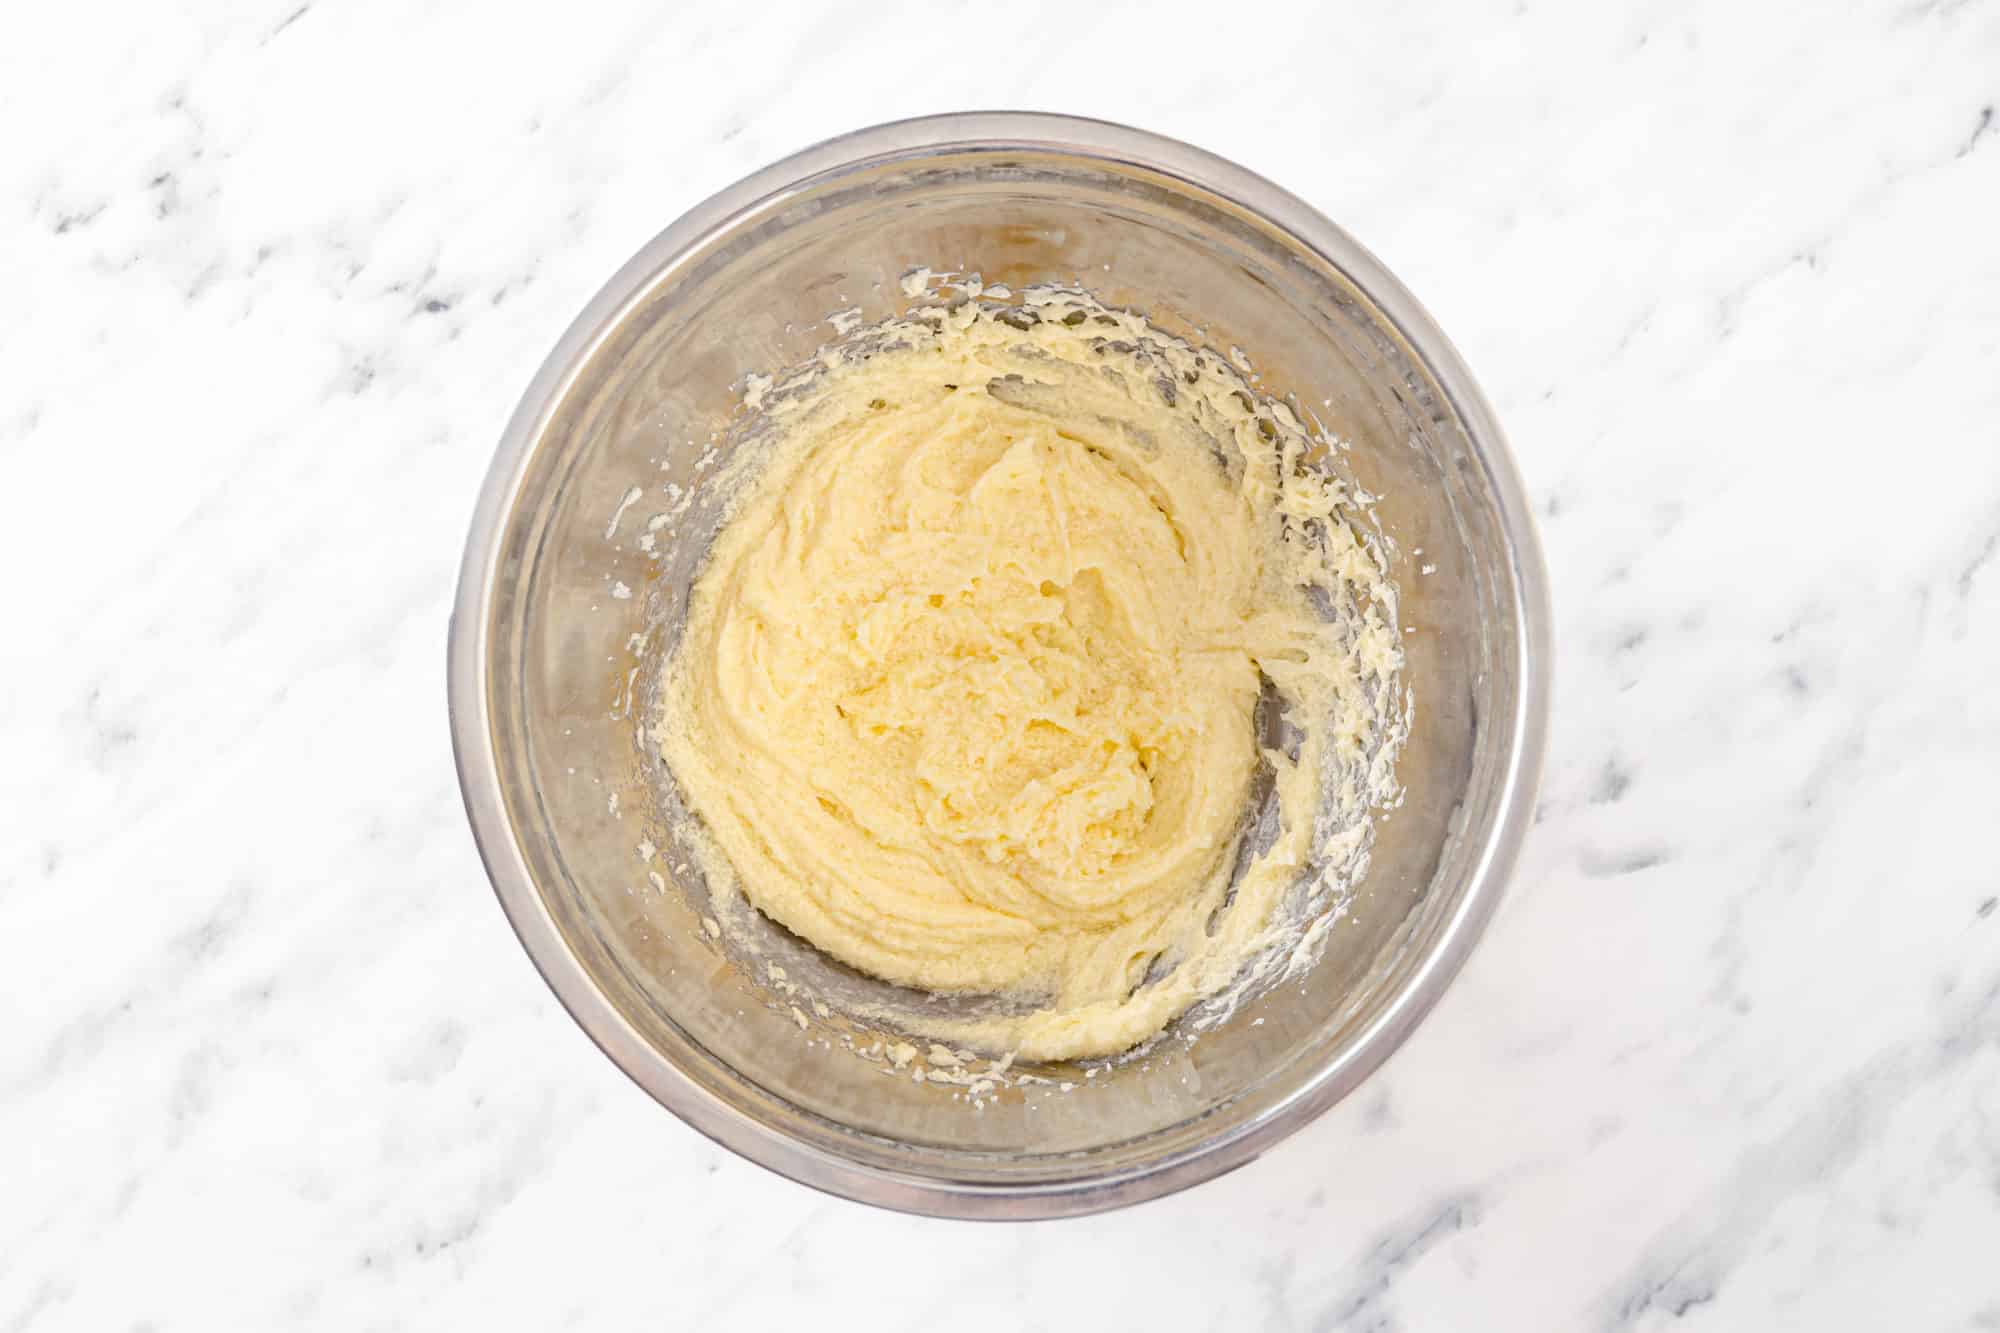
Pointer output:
x,y
275,273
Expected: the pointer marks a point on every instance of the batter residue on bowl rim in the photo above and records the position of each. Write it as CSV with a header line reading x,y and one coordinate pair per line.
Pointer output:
x,y
968,692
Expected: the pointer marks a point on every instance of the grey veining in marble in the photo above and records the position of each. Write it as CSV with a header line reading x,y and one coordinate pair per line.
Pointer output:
x,y
273,277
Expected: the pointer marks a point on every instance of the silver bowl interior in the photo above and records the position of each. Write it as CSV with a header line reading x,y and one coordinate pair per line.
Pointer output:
x,y
551,662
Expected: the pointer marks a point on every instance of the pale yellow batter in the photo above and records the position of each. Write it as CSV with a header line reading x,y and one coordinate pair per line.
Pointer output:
x,y
967,692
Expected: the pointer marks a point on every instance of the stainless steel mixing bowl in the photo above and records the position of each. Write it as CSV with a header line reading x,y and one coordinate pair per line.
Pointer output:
x,y
549,648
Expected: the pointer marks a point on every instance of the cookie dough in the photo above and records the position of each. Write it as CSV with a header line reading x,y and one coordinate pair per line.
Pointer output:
x,y
968,691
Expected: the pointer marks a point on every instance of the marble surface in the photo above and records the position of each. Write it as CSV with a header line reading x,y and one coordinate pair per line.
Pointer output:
x,y
274,274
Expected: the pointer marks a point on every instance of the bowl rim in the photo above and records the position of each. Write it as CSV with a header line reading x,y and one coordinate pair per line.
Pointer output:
x,y
472,724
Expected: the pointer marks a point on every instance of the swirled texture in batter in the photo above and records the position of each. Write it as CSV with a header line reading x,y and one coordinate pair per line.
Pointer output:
x,y
968,691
